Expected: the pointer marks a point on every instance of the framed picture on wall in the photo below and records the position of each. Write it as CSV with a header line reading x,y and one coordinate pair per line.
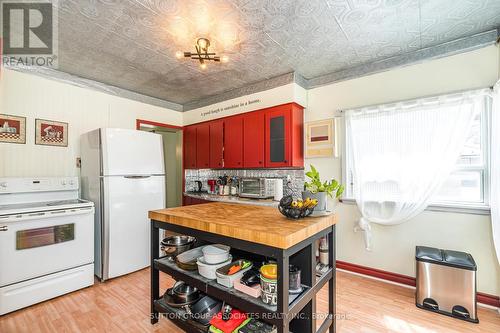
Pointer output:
x,y
51,133
12,129
320,138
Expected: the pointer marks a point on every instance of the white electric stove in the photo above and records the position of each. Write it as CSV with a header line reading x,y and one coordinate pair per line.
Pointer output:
x,y
46,240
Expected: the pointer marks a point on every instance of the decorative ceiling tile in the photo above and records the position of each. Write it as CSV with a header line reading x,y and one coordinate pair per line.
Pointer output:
x,y
131,44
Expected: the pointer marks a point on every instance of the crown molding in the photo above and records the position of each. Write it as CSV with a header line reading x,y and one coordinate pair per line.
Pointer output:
x,y
457,46
56,75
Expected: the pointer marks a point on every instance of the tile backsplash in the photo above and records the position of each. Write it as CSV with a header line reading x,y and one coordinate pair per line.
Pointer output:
x,y
296,176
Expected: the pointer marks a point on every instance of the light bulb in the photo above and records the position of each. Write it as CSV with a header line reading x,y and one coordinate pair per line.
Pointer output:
x,y
179,54
203,43
224,58
203,66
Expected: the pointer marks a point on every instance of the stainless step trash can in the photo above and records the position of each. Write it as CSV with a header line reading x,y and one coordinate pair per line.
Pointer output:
x,y
446,282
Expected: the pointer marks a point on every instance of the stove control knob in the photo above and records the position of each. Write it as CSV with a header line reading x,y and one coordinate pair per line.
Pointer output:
x,y
63,183
71,182
3,185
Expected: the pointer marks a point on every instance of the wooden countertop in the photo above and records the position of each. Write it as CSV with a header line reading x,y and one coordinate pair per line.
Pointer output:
x,y
257,224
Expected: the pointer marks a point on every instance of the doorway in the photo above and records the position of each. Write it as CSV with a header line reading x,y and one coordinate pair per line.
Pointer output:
x,y
172,152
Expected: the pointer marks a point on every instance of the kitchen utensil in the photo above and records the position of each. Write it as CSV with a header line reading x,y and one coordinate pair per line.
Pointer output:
x,y
295,286
226,190
215,254
205,309
173,302
251,277
269,271
253,290
224,276
208,270
226,312
174,245
184,293
187,260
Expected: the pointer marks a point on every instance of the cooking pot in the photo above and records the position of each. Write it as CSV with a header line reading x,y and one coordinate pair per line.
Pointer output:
x,y
184,293
205,309
174,245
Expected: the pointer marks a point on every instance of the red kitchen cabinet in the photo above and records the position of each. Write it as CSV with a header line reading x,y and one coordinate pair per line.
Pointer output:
x,y
216,144
284,136
233,142
202,146
190,147
253,140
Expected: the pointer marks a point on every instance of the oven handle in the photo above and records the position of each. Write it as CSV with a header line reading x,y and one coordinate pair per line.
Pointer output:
x,y
47,214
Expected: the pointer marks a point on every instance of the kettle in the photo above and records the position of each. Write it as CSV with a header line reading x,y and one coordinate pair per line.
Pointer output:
x,y
199,186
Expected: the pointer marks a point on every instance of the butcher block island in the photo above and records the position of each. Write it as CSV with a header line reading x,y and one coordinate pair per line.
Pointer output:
x,y
258,234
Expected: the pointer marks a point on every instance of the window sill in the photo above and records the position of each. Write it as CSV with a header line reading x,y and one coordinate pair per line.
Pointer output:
x,y
464,209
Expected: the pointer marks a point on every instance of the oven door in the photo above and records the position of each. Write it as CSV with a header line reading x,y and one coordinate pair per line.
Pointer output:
x,y
36,244
251,188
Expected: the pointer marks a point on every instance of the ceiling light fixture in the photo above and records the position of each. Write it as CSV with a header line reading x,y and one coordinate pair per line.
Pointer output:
x,y
202,53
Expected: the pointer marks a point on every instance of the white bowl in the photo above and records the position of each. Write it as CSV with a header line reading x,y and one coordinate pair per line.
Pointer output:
x,y
208,270
215,254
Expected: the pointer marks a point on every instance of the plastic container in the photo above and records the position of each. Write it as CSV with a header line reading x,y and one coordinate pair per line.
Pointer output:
x,y
208,270
187,260
216,254
252,291
228,280
269,271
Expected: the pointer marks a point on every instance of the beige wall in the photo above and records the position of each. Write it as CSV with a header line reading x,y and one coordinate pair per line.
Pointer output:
x,y
394,246
84,109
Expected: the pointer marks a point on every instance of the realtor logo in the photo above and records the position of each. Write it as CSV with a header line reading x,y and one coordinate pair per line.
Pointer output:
x,y
28,32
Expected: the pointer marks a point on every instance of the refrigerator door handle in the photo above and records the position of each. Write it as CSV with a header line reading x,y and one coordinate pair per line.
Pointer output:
x,y
136,177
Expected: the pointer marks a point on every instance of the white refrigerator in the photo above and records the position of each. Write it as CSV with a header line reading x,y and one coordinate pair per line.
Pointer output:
x,y
123,173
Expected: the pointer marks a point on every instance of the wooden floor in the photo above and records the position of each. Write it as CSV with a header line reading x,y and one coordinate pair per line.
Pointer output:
x,y
122,305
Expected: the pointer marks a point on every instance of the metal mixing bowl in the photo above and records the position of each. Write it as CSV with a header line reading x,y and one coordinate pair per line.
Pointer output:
x,y
174,245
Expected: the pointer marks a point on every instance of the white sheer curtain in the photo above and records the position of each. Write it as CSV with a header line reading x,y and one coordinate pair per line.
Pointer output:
x,y
495,169
401,153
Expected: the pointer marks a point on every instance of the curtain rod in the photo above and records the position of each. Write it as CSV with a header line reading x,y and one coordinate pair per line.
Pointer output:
x,y
414,99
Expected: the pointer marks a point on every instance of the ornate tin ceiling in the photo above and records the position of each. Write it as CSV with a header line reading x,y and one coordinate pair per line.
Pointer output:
x,y
131,44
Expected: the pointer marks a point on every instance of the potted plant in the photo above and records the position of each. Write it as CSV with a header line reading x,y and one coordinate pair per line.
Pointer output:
x,y
316,189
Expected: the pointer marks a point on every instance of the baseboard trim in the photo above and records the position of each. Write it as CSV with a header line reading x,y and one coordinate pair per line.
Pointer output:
x,y
482,298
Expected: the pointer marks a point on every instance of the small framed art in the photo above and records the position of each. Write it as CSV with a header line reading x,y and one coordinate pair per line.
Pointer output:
x,y
320,138
12,129
51,133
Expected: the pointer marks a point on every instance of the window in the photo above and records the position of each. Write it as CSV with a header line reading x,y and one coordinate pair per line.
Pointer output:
x,y
467,186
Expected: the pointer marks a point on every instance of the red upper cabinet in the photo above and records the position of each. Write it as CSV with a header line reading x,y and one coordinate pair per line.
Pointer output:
x,y
202,146
284,136
216,144
269,138
233,142
253,140
190,147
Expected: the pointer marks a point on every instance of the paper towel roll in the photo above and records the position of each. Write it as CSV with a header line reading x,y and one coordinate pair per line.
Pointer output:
x,y
278,189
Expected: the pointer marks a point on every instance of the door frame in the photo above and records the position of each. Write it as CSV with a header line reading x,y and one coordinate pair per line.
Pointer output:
x,y
139,122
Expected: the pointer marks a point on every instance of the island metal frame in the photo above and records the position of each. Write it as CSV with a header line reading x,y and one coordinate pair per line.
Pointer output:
x,y
297,316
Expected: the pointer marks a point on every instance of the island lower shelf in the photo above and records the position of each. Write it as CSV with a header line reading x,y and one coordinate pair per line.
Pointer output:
x,y
235,297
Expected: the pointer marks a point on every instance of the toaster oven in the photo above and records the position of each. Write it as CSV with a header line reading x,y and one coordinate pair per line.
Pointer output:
x,y
258,188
